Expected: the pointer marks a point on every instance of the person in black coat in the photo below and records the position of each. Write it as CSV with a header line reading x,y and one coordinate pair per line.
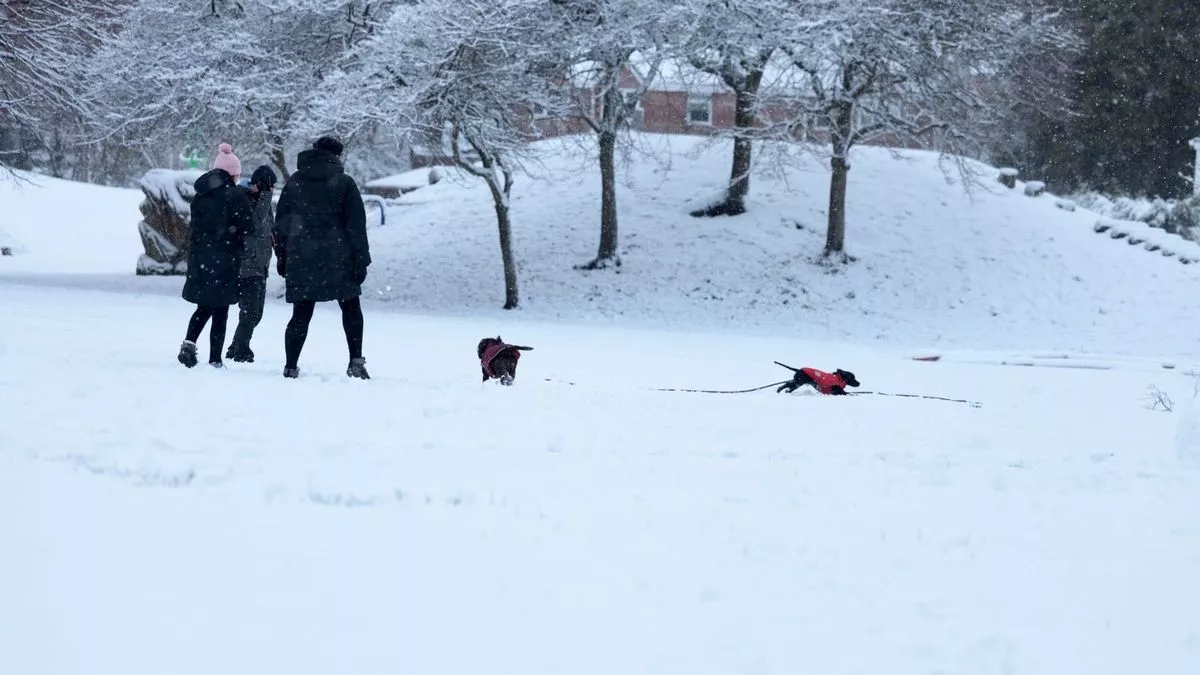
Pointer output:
x,y
220,219
321,249
256,258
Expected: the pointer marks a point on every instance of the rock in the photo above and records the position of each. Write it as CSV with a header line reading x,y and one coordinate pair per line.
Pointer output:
x,y
5,250
1034,188
1008,177
1065,204
165,225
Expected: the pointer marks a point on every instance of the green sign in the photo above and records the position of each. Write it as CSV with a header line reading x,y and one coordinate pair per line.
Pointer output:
x,y
190,158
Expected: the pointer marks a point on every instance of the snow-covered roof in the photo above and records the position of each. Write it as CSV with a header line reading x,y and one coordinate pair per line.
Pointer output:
x,y
677,74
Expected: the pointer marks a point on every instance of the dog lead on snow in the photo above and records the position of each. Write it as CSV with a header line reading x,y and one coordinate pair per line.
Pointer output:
x,y
498,359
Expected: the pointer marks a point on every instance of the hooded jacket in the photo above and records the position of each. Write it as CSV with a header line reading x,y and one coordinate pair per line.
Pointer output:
x,y
321,231
220,218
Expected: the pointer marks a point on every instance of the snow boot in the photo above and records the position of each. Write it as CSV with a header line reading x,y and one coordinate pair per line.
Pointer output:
x,y
292,373
239,354
216,364
187,353
358,368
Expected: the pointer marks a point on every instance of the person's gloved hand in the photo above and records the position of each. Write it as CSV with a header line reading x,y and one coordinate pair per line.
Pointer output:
x,y
360,275
281,267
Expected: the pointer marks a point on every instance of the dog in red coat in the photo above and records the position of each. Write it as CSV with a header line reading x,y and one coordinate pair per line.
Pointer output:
x,y
830,384
498,359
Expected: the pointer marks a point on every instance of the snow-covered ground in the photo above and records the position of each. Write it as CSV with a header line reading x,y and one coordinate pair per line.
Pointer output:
x,y
158,519
155,519
59,226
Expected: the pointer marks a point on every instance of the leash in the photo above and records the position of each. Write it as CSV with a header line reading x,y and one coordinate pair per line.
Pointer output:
x,y
727,391
697,391
973,404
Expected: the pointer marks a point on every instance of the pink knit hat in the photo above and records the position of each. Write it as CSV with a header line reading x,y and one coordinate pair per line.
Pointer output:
x,y
227,160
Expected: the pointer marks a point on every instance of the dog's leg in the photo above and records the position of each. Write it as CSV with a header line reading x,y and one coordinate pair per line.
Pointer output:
x,y
799,379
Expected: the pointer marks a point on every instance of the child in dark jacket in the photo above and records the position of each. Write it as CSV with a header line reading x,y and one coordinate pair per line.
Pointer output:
x,y
256,259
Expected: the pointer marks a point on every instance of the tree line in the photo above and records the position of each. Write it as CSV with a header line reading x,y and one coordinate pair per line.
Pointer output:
x,y
132,81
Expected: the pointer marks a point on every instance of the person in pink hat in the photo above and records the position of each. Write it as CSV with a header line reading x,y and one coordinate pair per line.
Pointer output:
x,y
221,215
228,162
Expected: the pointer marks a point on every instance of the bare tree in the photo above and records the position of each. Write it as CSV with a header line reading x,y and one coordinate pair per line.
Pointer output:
x,y
734,42
596,41
459,71
915,72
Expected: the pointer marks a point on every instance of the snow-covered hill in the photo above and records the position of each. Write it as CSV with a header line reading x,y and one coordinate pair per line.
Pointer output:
x,y
60,226
934,264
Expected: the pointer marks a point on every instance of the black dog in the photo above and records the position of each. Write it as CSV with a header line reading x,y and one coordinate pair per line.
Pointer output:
x,y
498,359
830,384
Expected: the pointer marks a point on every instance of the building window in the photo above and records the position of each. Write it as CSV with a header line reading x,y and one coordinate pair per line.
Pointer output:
x,y
627,96
541,112
699,110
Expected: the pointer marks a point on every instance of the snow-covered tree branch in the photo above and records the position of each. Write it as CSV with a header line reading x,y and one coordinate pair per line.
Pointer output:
x,y
44,47
244,72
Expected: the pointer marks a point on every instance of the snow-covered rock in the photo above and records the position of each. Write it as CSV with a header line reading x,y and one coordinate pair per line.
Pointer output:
x,y
164,227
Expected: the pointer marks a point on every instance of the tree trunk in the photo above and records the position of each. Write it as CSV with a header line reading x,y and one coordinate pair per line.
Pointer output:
x,y
511,295
280,161
835,234
739,175
607,253
843,129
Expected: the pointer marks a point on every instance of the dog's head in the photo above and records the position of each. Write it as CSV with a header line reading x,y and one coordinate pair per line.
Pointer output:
x,y
485,343
847,377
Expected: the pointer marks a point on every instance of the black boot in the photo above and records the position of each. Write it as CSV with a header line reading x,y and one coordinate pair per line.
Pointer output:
x,y
187,353
239,353
358,368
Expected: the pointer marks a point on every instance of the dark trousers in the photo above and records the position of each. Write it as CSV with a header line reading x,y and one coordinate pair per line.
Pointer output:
x,y
216,334
252,297
297,328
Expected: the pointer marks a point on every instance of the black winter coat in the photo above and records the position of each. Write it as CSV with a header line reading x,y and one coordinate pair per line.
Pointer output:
x,y
220,220
321,231
256,255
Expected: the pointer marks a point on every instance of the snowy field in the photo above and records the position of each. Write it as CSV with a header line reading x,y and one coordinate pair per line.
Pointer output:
x,y
164,520
156,520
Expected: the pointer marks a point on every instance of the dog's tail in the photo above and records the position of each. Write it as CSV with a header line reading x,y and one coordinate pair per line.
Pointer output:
x,y
794,370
